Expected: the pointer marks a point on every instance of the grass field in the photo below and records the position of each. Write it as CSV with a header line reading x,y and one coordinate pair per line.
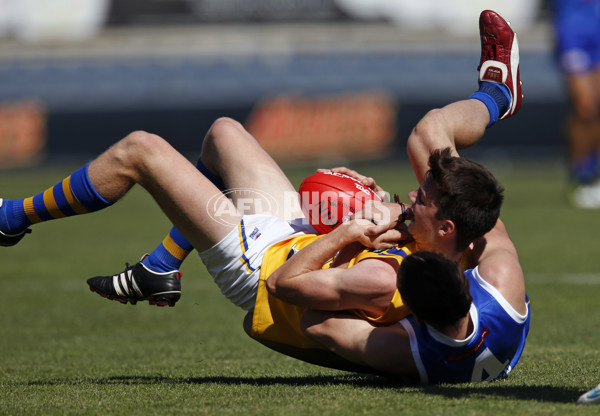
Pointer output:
x,y
64,350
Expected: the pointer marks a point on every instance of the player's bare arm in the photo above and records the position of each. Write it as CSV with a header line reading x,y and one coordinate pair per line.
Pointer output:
x,y
386,349
368,285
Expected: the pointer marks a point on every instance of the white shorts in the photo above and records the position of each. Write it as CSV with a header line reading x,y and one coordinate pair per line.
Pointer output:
x,y
234,262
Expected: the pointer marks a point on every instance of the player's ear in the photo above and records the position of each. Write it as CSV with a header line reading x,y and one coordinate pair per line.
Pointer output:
x,y
447,229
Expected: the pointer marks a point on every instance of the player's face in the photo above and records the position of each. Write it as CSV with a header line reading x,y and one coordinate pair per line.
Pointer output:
x,y
424,226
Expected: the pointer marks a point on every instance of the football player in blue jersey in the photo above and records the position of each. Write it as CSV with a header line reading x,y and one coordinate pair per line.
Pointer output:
x,y
465,327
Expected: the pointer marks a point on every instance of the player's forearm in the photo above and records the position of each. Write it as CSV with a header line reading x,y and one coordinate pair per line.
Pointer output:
x,y
343,334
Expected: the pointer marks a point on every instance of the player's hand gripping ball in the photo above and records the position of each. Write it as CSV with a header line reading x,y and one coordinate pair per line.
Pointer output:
x,y
329,199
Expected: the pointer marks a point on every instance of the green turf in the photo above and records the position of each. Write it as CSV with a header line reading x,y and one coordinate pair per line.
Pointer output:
x,y
65,350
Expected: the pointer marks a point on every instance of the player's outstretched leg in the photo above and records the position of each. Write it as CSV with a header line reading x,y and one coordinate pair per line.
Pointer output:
x,y
499,63
138,283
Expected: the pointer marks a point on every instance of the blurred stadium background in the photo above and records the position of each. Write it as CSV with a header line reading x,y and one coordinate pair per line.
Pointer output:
x,y
312,79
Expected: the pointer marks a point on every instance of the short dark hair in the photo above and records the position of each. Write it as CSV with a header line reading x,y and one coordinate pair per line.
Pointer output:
x,y
434,289
467,194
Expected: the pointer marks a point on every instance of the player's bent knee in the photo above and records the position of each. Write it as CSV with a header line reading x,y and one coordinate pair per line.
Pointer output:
x,y
136,147
225,133
226,122
144,143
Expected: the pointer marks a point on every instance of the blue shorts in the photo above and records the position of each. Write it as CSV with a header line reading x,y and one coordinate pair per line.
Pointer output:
x,y
577,29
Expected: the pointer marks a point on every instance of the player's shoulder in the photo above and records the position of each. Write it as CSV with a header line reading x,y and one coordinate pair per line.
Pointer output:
x,y
508,279
500,269
498,260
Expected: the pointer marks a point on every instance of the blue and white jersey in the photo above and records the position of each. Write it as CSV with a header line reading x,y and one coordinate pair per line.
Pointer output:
x,y
491,351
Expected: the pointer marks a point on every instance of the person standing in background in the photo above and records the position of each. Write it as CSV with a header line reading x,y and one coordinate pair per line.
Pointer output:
x,y
577,30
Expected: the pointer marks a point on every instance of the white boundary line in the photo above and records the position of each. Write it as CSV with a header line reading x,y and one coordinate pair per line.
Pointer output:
x,y
563,278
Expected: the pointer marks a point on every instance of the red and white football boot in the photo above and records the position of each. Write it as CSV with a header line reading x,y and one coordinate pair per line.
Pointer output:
x,y
500,57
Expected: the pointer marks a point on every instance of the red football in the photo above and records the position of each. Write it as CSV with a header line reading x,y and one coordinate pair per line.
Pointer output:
x,y
329,198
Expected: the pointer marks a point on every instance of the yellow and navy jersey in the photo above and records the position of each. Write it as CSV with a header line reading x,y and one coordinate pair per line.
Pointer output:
x,y
278,321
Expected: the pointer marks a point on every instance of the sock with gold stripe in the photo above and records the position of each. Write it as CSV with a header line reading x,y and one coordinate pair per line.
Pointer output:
x,y
170,253
73,195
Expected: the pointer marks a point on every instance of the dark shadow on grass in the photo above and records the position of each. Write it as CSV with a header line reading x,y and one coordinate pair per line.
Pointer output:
x,y
357,380
354,380
546,393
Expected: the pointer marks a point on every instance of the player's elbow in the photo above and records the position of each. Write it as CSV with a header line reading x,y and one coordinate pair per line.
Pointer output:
x,y
281,287
271,284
